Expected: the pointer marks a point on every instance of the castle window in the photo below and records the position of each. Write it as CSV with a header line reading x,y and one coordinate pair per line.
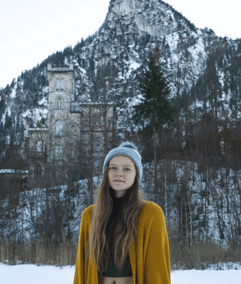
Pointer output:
x,y
100,120
59,104
94,120
62,84
57,85
39,146
98,144
59,127
58,152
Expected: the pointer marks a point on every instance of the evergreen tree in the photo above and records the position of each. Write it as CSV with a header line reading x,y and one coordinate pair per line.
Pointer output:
x,y
154,111
155,88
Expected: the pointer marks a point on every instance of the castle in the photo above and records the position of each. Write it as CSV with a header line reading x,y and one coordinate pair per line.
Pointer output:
x,y
76,136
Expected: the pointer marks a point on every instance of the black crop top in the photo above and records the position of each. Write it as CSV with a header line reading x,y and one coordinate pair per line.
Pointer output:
x,y
112,270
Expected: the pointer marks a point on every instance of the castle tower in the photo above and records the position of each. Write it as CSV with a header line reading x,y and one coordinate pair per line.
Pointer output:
x,y
61,123
61,88
76,136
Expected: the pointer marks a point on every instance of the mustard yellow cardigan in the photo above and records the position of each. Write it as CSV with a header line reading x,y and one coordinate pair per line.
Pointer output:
x,y
149,253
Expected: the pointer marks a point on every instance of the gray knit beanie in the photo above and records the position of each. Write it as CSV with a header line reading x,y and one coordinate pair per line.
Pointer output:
x,y
129,150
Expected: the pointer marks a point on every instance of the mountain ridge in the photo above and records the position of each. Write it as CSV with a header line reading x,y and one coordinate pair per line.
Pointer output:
x,y
124,41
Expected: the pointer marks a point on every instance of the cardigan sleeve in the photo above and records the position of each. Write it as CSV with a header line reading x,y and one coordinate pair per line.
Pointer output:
x,y
157,262
79,277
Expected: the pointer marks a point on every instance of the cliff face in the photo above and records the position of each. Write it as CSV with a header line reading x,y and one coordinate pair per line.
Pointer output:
x,y
133,25
156,18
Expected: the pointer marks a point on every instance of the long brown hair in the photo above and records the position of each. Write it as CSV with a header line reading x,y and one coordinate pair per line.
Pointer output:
x,y
125,228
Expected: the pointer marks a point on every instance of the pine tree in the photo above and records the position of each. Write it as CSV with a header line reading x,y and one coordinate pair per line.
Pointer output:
x,y
155,110
155,106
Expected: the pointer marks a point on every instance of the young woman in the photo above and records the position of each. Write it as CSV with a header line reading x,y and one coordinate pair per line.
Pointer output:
x,y
123,238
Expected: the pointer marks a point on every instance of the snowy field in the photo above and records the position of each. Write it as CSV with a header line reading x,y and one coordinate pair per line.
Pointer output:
x,y
32,274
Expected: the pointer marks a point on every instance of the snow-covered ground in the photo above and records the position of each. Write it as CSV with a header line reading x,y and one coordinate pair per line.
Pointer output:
x,y
29,274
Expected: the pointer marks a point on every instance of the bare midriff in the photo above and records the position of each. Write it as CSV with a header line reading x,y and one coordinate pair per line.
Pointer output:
x,y
115,280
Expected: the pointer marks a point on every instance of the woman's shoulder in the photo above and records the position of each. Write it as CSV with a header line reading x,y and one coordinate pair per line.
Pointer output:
x,y
89,209
150,205
87,213
151,209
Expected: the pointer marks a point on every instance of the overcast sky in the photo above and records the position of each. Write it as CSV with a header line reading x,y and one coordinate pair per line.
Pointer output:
x,y
30,30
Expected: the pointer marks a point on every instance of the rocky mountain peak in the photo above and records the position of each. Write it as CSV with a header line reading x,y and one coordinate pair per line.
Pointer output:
x,y
154,16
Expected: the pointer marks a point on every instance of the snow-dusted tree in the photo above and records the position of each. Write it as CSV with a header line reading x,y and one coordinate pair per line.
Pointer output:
x,y
154,111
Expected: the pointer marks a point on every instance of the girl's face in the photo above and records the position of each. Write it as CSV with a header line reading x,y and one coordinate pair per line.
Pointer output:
x,y
121,174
